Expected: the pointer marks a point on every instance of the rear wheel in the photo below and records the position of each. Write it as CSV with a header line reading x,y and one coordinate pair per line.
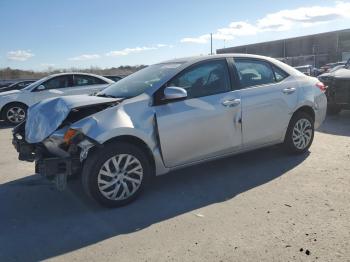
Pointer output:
x,y
15,113
116,175
300,133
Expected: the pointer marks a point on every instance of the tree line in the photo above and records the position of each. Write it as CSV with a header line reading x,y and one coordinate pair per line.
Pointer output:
x,y
9,73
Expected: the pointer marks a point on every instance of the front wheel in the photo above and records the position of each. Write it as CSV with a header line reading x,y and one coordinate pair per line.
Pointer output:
x,y
115,175
300,133
15,113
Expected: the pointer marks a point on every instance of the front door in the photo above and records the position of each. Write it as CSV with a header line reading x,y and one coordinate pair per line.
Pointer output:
x,y
54,87
207,123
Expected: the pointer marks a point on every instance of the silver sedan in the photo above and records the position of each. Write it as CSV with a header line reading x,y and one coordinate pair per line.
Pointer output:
x,y
168,116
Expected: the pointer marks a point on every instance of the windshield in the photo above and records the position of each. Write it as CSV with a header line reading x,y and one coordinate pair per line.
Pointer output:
x,y
137,83
29,87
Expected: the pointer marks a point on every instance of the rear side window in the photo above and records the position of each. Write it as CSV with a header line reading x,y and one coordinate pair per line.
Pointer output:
x,y
204,79
85,80
254,72
280,75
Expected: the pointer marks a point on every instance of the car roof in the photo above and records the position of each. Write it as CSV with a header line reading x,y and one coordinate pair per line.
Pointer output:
x,y
80,73
208,57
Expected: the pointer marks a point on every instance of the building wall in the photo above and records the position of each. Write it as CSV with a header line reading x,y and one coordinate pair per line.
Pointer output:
x,y
315,50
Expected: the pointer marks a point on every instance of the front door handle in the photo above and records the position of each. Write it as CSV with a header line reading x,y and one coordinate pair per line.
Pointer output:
x,y
289,90
231,102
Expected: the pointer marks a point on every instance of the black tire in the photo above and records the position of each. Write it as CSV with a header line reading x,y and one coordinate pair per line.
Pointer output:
x,y
9,107
98,158
289,144
333,109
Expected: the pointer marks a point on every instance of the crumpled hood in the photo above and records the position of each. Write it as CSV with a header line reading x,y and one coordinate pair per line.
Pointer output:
x,y
46,116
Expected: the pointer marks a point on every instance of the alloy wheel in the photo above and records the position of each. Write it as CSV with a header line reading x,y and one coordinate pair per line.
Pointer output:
x,y
120,177
16,114
302,133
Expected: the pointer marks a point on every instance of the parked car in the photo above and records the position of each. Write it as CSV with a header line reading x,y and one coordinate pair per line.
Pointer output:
x,y
328,67
308,70
17,86
338,89
168,116
114,78
14,104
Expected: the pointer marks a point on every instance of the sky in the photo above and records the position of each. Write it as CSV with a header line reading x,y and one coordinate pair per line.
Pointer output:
x,y
40,34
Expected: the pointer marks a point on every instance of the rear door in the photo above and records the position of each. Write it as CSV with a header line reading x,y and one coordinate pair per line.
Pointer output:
x,y
207,123
269,97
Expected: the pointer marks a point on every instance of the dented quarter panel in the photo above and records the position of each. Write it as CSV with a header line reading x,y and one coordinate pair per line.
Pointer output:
x,y
314,98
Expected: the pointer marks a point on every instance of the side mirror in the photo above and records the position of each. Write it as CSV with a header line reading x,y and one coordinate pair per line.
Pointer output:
x,y
40,88
174,93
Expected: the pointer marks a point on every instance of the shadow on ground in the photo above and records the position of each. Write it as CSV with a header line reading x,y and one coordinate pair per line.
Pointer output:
x,y
38,223
337,124
4,125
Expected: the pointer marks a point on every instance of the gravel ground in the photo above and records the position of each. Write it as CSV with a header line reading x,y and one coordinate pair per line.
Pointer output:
x,y
259,206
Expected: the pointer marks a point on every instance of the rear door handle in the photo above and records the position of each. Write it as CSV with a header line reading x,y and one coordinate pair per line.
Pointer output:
x,y
289,90
231,102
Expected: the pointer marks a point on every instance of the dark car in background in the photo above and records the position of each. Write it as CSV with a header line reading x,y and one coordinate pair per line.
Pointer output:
x,y
338,89
17,85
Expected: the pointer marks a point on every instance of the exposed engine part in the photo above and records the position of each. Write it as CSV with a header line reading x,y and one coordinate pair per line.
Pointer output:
x,y
85,146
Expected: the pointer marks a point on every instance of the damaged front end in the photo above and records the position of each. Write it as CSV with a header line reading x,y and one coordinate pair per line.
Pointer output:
x,y
47,139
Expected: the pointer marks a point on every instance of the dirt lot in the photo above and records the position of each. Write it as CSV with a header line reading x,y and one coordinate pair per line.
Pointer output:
x,y
259,206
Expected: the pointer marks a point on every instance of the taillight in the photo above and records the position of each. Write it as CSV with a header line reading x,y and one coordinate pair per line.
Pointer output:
x,y
321,86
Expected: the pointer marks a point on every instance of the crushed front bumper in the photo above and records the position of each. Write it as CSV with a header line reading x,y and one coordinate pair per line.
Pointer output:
x,y
46,164
52,166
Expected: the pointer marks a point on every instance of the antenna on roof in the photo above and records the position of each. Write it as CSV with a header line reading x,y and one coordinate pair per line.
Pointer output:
x,y
211,43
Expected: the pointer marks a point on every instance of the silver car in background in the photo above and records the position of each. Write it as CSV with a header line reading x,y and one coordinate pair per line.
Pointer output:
x,y
168,116
14,103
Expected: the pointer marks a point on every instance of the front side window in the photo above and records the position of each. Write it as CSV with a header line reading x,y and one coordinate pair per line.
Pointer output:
x,y
254,72
58,82
85,80
205,79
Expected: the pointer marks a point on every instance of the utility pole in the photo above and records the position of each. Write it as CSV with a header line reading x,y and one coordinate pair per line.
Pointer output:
x,y
211,43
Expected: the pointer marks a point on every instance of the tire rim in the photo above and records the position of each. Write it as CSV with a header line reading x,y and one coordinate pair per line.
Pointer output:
x,y
302,133
16,114
120,177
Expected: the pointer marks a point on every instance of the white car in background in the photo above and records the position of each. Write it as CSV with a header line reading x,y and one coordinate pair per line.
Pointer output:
x,y
14,104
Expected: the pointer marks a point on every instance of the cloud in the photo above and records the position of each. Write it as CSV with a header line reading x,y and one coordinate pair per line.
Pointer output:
x,y
19,55
128,51
279,21
198,40
84,57
47,65
164,45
